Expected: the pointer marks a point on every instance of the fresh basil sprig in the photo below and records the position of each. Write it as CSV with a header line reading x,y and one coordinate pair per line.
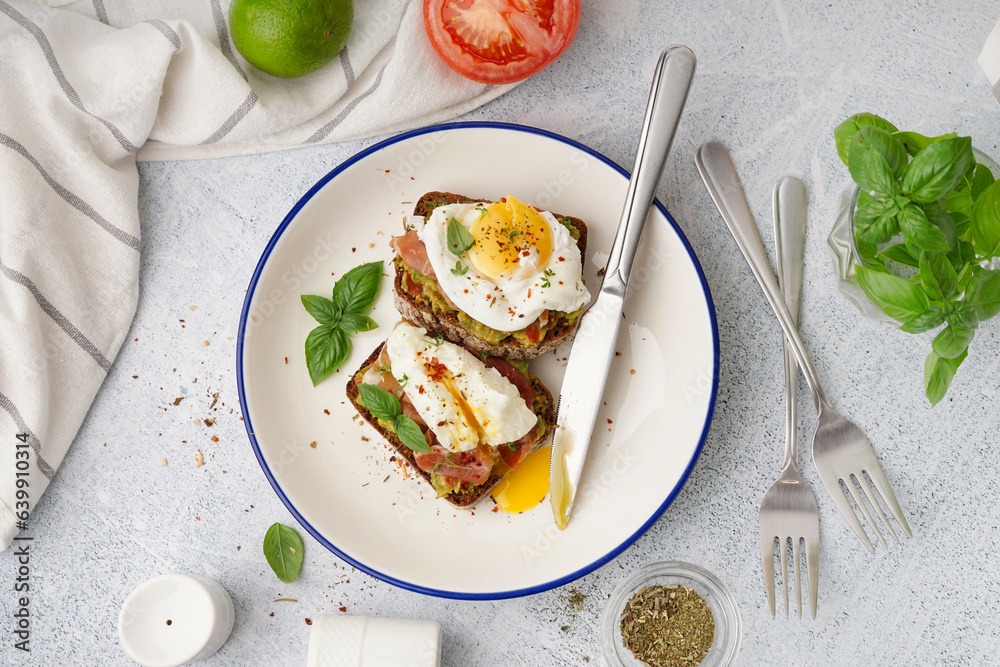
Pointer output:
x,y
284,549
329,344
459,238
384,405
925,204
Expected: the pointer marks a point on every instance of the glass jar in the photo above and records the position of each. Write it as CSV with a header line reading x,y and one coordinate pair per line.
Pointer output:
x,y
725,615
844,249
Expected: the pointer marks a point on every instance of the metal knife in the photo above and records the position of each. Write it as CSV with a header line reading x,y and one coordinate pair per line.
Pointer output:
x,y
594,346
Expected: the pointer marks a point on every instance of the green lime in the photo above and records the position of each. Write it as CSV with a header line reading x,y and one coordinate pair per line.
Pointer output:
x,y
289,38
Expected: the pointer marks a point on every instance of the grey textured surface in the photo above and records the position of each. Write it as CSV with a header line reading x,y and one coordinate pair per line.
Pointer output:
x,y
773,80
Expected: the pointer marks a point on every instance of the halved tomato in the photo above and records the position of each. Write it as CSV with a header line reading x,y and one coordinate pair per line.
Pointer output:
x,y
500,41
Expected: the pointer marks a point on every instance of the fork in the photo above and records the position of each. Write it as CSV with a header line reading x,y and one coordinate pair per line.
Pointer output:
x,y
788,510
844,457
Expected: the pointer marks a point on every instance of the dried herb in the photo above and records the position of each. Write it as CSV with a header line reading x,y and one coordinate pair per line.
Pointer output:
x,y
668,626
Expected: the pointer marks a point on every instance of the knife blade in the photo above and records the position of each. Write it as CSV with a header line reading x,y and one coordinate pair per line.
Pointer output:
x,y
593,349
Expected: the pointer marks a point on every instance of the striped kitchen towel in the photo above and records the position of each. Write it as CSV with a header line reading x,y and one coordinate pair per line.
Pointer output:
x,y
86,88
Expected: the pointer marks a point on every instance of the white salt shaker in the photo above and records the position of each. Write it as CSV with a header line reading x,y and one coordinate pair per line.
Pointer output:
x,y
175,619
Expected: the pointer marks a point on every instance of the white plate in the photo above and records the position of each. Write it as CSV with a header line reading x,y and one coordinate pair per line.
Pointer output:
x,y
348,495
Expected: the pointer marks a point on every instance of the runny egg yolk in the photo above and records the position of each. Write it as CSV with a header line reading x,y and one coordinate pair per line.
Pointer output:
x,y
509,235
526,485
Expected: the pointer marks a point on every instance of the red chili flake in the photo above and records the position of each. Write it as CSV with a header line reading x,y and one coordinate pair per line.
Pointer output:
x,y
496,509
441,423
309,621
562,259
215,438
529,292
601,271
420,389
354,249
560,282
435,369
272,613
197,518
342,608
286,360
326,412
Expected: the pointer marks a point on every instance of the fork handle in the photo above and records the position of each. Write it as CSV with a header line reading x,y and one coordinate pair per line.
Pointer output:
x,y
723,184
789,208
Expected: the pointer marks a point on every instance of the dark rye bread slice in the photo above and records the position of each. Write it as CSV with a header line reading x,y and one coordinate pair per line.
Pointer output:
x,y
544,407
422,313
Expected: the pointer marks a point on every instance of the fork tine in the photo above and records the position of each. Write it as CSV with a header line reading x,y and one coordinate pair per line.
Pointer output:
x,y
874,503
767,563
784,572
882,484
812,569
850,484
836,493
798,577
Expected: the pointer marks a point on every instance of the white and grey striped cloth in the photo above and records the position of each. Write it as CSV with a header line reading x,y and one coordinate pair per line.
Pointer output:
x,y
86,88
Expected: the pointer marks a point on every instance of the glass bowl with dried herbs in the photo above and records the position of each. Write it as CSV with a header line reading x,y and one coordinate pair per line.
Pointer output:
x,y
671,614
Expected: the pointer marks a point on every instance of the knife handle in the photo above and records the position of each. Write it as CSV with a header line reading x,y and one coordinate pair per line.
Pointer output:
x,y
671,83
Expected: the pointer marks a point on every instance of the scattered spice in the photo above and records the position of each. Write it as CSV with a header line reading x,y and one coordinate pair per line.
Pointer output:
x,y
215,438
177,401
309,621
199,460
668,626
313,444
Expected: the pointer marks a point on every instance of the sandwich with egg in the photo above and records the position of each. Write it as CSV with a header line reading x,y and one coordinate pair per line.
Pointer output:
x,y
462,420
504,277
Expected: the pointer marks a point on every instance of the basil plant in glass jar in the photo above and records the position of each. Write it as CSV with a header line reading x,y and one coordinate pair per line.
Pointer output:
x,y
926,229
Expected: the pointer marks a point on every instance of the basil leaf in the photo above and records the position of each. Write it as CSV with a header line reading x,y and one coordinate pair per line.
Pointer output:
x,y
937,276
924,322
919,233
915,142
938,168
380,402
894,296
877,222
868,165
459,238
982,178
938,374
355,291
410,434
327,348
983,294
355,322
844,132
321,308
960,315
986,221
885,143
952,341
900,255
959,201
284,550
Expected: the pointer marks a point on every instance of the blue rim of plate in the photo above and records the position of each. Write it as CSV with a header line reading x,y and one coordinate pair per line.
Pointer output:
x,y
498,595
